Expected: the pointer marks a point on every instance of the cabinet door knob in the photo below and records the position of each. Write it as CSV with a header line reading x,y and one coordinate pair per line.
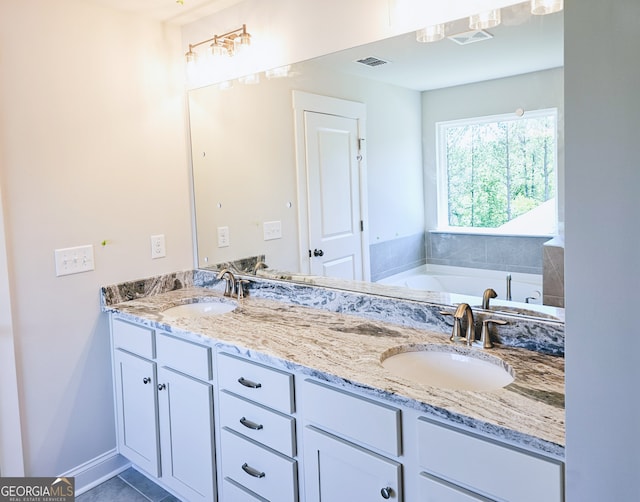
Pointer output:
x,y
250,425
386,492
252,472
249,383
146,380
162,386
318,252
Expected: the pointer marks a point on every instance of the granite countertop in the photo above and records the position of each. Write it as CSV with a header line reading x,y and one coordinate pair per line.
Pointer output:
x,y
347,349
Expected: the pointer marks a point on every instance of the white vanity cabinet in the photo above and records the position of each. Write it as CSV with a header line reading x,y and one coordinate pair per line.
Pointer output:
x,y
258,435
463,466
346,442
164,405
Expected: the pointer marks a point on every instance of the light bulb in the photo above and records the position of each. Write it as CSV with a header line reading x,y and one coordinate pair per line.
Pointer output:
x,y
542,7
485,20
430,33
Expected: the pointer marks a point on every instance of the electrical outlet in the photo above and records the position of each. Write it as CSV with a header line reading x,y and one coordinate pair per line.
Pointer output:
x,y
272,230
74,260
223,237
157,247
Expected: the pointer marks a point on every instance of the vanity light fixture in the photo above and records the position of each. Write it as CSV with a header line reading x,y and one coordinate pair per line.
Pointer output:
x,y
226,44
542,7
431,33
484,20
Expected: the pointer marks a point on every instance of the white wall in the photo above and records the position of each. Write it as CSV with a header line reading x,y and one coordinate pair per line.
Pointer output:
x,y
602,252
92,147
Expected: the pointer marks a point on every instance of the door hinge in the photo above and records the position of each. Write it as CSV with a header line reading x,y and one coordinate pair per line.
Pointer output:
x,y
361,226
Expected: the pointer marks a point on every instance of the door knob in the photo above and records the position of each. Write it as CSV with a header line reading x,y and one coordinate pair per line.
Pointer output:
x,y
318,252
386,492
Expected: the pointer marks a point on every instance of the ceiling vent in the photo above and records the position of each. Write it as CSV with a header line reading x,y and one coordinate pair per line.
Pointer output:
x,y
372,61
470,37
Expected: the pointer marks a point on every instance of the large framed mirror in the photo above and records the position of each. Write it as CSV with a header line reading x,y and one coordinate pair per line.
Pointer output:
x,y
250,161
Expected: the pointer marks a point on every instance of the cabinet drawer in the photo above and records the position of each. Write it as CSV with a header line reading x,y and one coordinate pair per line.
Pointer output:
x,y
269,427
184,356
263,471
486,466
237,493
355,417
133,338
257,382
433,489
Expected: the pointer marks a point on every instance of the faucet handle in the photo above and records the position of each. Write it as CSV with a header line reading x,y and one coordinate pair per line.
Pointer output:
x,y
240,284
457,327
485,339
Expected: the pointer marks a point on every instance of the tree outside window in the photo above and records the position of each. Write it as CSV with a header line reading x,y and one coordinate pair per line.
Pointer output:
x,y
499,172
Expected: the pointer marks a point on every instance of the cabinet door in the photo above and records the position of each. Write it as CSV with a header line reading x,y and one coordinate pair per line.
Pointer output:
x,y
136,405
337,470
186,435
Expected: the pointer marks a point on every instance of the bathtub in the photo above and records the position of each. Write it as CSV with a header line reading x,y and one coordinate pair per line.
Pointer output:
x,y
469,281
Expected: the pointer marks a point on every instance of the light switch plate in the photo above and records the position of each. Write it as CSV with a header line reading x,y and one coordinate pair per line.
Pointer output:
x,y
223,237
272,230
158,249
74,260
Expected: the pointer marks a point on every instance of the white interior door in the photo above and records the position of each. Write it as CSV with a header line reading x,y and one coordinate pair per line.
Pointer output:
x,y
333,177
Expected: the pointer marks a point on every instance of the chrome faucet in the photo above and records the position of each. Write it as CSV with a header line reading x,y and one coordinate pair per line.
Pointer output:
x,y
258,266
230,285
463,310
486,296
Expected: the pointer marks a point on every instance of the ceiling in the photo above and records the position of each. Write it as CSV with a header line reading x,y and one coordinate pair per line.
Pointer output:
x,y
521,44
170,11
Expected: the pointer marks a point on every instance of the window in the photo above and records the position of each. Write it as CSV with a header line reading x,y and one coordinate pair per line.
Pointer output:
x,y
498,173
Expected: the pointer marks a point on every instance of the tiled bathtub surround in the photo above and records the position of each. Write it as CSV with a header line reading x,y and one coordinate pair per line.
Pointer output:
x,y
494,252
538,335
397,255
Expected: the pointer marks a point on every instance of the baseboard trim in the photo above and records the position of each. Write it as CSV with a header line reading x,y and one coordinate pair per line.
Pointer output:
x,y
97,470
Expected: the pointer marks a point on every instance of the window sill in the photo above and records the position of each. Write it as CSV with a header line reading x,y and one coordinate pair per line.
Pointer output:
x,y
488,232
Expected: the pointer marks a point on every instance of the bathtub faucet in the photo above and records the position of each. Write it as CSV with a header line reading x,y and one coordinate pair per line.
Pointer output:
x,y
486,296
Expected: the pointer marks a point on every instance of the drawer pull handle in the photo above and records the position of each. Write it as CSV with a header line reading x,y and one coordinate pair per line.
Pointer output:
x,y
252,472
386,492
249,383
250,425
146,380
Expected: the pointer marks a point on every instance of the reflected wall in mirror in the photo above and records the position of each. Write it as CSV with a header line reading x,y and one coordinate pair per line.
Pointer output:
x,y
244,149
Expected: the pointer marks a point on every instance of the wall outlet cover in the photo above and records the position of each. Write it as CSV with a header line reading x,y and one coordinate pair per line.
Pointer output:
x,y
158,249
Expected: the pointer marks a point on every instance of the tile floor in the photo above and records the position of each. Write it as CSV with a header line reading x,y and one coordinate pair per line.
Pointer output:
x,y
128,486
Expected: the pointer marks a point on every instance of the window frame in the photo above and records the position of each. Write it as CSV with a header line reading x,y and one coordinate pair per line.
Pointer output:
x,y
442,209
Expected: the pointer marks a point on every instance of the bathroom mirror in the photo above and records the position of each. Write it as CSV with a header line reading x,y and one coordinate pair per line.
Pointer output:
x,y
243,139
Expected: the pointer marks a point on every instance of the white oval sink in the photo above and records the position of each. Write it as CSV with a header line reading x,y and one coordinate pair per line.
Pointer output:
x,y
201,309
448,367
